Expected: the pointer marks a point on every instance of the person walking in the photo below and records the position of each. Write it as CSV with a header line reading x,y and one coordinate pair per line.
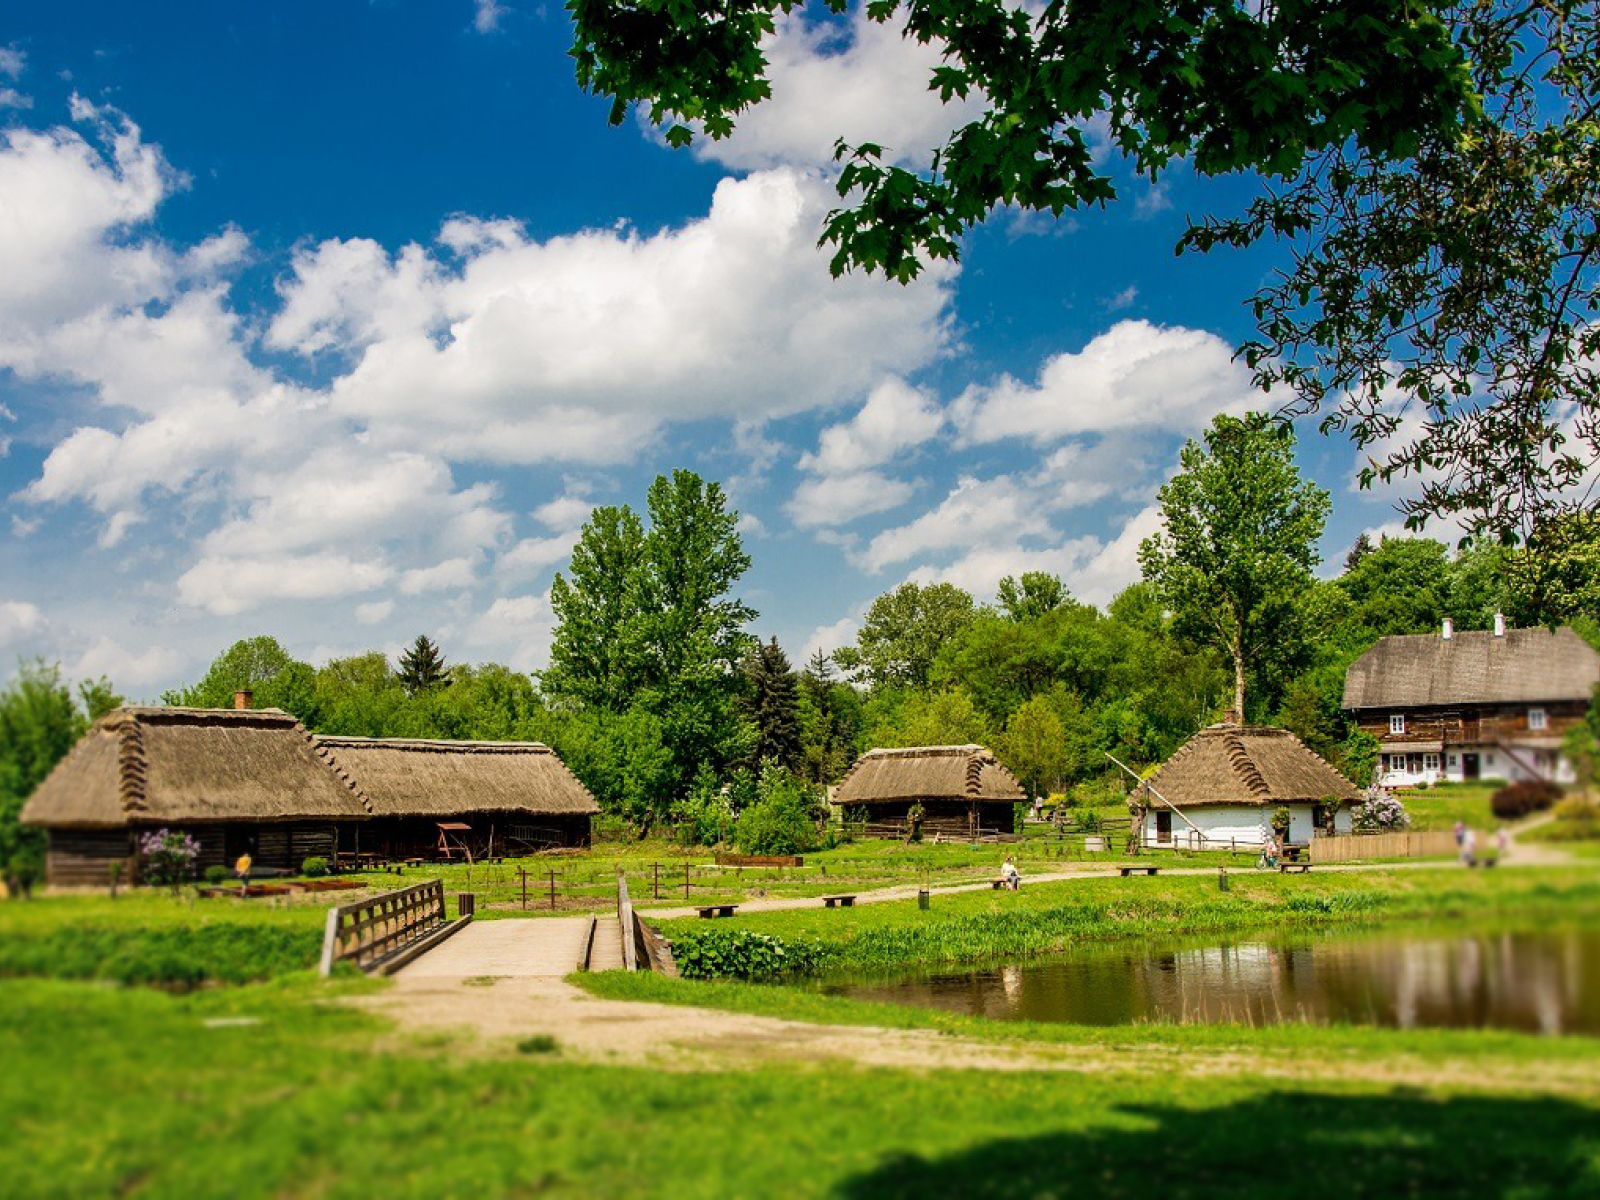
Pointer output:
x,y
1469,848
241,868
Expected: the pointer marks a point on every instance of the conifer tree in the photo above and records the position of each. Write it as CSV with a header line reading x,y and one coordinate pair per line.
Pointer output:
x,y
422,667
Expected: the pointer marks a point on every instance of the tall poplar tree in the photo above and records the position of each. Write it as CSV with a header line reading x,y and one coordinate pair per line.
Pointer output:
x,y
1238,542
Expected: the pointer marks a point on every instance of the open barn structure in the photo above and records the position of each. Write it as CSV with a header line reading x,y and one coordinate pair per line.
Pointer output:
x,y
963,792
455,800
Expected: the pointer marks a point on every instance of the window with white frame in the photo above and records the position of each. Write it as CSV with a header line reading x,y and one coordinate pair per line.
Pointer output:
x,y
1397,763
1430,762
1397,723
1536,718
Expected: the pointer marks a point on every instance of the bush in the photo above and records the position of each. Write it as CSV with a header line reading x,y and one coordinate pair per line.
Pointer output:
x,y
168,856
1520,799
704,816
217,873
782,820
314,867
743,954
1378,812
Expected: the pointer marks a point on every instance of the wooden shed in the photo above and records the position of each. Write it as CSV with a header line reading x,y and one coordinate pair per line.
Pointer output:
x,y
438,799
238,781
963,790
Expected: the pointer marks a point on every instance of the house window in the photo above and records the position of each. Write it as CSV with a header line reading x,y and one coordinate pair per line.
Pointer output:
x,y
1430,762
1453,763
1397,763
1397,724
1536,719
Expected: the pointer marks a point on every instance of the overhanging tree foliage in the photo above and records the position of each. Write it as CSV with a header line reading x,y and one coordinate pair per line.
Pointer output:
x,y
1228,86
1238,541
1441,310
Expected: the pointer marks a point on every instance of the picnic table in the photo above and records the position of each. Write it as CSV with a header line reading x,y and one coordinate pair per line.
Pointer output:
x,y
1296,864
844,901
717,910
1126,871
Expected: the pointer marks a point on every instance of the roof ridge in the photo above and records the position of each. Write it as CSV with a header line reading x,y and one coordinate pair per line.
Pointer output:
x,y
133,766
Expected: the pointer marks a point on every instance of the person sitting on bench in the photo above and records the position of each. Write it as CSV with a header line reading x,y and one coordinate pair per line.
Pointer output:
x,y
1012,877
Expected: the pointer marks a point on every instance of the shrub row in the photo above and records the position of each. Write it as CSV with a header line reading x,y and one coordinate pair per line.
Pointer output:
x,y
182,956
1520,799
742,954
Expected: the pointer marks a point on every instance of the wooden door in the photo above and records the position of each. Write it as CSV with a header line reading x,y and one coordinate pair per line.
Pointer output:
x,y
1164,827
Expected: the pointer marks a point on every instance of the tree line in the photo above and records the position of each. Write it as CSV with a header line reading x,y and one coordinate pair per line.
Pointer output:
x,y
663,700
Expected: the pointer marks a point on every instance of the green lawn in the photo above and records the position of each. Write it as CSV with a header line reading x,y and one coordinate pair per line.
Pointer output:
x,y
1441,807
111,1092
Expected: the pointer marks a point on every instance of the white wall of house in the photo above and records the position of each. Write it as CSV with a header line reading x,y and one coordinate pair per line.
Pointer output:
x,y
1239,824
1408,769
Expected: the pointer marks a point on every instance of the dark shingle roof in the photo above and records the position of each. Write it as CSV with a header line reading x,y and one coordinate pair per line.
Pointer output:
x,y
1473,667
1248,764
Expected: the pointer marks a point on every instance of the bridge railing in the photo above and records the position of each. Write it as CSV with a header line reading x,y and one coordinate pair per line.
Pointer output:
x,y
386,930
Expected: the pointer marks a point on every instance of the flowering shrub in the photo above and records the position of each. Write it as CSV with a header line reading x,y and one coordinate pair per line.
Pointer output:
x,y
1379,812
167,857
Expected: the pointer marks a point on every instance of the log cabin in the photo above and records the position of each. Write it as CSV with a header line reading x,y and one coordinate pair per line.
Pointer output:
x,y
1228,780
964,792
1472,704
239,781
449,799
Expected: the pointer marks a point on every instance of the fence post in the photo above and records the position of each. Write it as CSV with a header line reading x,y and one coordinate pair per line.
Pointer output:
x,y
523,871
685,881
552,890
656,886
330,938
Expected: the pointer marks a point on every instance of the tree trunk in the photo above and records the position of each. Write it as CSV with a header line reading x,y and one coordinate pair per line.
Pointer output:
x,y
1238,684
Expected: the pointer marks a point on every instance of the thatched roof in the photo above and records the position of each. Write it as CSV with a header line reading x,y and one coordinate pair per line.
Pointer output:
x,y
154,766
413,778
1248,764
929,773
1473,667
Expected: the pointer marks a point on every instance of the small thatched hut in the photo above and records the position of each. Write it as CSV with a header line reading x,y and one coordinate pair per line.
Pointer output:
x,y
496,797
963,790
1228,780
238,781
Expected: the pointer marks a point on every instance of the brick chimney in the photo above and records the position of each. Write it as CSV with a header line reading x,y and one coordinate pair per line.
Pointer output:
x,y
1499,624
1449,629
1230,716
243,698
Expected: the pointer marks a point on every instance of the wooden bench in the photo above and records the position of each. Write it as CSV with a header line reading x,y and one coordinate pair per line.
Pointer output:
x,y
717,910
848,901
1126,871
1301,865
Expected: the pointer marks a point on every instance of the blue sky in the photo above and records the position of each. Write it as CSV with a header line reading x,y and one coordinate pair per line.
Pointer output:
x,y
333,321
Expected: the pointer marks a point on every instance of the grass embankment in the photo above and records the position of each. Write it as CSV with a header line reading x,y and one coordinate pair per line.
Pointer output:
x,y
992,926
111,1092
152,937
1440,807
1276,1044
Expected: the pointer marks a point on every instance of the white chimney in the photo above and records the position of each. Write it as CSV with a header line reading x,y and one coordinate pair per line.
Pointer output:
x,y
1499,624
1449,629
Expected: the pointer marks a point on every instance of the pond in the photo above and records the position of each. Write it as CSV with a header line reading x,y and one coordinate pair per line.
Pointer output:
x,y
1535,979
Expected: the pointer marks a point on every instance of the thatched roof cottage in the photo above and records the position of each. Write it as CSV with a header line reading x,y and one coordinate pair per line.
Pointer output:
x,y
238,781
490,797
1227,780
963,790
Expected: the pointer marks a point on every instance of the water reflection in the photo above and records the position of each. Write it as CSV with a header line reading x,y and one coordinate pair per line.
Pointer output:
x,y
1537,980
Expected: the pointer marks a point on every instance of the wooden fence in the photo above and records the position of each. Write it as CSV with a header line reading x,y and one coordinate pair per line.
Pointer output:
x,y
643,949
758,860
1349,847
384,932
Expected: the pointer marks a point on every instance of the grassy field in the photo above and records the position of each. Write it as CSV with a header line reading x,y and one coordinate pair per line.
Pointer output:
x,y
979,926
122,1092
1441,807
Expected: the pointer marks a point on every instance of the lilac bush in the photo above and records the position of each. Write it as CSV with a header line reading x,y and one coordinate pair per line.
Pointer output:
x,y
167,857
1379,812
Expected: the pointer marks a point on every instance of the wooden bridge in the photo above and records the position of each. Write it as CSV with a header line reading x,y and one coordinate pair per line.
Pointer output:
x,y
407,932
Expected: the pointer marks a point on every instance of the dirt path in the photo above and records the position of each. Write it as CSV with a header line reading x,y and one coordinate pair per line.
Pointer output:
x,y
489,1016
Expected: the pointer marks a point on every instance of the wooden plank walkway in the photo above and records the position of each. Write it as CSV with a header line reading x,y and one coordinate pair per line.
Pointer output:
x,y
542,947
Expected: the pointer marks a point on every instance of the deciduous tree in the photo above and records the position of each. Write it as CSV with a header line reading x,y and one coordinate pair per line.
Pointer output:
x,y
1223,85
1238,542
